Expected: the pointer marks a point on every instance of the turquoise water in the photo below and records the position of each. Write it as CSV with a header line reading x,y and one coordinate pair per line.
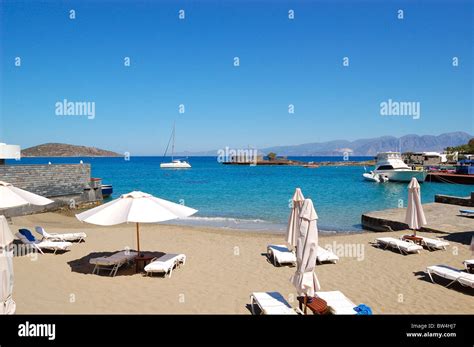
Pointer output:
x,y
257,197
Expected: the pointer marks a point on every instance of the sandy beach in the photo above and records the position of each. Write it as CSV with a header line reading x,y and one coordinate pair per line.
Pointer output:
x,y
223,268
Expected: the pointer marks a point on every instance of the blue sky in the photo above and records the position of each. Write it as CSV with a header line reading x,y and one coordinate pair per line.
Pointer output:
x,y
190,62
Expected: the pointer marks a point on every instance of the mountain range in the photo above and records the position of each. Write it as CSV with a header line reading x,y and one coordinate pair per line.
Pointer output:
x,y
363,147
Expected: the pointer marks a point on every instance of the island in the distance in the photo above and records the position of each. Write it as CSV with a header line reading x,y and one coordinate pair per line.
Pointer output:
x,y
66,150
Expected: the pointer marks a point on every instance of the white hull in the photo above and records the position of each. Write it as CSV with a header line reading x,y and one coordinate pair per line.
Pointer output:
x,y
403,175
373,177
180,165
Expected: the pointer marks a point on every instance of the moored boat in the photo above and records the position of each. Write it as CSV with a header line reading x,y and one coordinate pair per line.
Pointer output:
x,y
175,163
373,177
107,190
391,166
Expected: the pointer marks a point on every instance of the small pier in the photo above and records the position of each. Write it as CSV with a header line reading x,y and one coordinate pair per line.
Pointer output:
x,y
441,218
449,178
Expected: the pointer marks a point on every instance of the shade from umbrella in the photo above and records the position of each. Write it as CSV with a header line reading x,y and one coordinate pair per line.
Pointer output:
x,y
136,207
415,217
294,220
7,305
305,280
11,196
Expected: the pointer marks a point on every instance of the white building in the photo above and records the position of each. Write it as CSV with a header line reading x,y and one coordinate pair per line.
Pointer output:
x,y
9,152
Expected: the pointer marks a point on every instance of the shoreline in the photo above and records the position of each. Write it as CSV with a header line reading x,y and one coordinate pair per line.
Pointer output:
x,y
195,223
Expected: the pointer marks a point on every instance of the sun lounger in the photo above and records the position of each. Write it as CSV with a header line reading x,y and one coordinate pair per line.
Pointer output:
x,y
324,255
469,213
452,274
60,237
271,303
469,265
432,244
27,238
403,246
113,262
280,254
337,302
165,264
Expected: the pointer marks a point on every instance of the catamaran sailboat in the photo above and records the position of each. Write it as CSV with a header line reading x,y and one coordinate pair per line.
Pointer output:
x,y
175,163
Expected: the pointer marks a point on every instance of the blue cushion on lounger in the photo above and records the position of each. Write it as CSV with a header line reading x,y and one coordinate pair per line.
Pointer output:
x,y
467,211
26,233
363,309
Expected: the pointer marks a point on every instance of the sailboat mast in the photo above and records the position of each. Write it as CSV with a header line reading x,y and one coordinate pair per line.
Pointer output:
x,y
172,145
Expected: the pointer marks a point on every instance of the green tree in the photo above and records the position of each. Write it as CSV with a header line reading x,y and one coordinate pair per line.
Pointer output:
x,y
271,156
467,148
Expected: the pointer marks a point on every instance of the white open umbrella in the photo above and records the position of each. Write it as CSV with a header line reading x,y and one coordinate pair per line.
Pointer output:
x,y
305,280
135,207
7,305
11,196
415,217
294,219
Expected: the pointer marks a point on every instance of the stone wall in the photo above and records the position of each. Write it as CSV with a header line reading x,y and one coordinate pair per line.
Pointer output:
x,y
454,200
48,180
69,185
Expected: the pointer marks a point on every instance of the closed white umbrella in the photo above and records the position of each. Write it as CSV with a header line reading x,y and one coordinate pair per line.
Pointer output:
x,y
415,217
135,207
294,219
305,280
6,236
11,196
7,305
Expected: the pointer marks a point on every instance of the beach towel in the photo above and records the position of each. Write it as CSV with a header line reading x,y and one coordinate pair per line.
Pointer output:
x,y
363,310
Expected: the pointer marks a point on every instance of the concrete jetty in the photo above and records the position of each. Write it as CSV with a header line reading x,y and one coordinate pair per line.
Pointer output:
x,y
441,218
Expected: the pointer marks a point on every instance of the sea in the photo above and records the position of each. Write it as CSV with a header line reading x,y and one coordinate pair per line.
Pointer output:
x,y
257,198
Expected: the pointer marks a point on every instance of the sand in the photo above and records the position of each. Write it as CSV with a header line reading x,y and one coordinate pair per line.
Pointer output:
x,y
223,268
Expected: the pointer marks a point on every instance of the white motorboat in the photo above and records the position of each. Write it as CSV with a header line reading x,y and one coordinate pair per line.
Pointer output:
x,y
391,165
175,163
373,177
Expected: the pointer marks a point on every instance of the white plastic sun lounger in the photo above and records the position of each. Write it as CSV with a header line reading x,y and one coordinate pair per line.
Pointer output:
x,y
280,254
468,264
337,302
452,274
325,255
61,237
271,303
432,244
165,264
404,247
113,262
46,244
466,212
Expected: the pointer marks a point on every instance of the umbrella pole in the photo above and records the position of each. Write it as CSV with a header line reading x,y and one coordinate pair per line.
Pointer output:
x,y
138,238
